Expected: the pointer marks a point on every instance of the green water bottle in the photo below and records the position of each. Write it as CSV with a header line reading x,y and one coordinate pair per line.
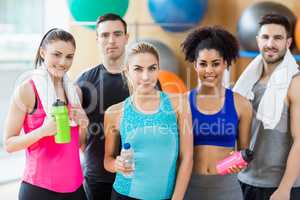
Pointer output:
x,y
60,113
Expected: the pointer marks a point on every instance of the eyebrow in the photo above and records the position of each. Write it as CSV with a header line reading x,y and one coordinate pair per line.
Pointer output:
x,y
146,67
56,51
118,31
216,60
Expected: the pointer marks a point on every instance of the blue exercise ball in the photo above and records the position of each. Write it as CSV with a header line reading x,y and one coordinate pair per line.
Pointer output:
x,y
177,15
248,26
89,10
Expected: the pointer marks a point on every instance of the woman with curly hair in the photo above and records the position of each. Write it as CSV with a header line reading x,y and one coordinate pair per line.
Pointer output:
x,y
221,118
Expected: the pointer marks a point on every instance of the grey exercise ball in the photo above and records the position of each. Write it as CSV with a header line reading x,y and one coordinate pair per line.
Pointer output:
x,y
168,60
248,26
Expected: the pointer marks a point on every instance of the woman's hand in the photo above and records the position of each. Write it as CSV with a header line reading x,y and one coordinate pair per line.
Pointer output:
x,y
121,166
79,117
49,127
236,168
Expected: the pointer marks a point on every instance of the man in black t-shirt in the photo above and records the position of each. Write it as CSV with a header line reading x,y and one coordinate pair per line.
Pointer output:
x,y
102,86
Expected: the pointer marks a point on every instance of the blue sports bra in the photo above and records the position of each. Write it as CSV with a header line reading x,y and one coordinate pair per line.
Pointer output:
x,y
219,129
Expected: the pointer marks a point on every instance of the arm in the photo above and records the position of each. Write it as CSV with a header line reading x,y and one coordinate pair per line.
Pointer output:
x,y
112,162
292,170
80,116
22,102
185,147
244,109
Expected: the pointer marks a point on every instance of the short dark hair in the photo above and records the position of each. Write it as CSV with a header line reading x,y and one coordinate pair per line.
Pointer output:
x,y
111,17
211,37
274,18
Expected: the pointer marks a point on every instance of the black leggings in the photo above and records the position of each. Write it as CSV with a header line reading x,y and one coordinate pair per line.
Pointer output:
x,y
258,193
31,192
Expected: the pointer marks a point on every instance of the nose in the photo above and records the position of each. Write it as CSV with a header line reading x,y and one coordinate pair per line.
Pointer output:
x,y
145,75
62,62
270,42
209,69
111,39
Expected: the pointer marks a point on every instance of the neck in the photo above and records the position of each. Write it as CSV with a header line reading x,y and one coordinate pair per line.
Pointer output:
x,y
215,91
140,99
114,65
57,81
268,69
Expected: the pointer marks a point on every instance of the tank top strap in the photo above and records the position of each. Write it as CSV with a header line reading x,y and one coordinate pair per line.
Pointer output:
x,y
39,104
165,103
229,101
192,100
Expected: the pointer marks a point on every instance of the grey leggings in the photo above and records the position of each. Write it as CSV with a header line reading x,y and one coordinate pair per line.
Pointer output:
x,y
214,187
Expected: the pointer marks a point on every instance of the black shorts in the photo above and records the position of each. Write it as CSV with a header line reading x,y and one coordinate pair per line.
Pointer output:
x,y
259,193
31,192
117,196
97,190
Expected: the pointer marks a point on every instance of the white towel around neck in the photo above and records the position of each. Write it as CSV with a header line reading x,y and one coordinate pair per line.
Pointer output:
x,y
271,105
46,91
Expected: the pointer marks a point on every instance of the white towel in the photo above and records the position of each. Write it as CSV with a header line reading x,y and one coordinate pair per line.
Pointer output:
x,y
46,91
270,107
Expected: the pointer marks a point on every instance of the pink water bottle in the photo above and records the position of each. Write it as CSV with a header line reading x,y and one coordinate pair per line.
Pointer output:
x,y
239,159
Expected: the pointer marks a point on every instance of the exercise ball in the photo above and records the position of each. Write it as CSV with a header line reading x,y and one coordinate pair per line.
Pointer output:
x,y
89,10
171,83
168,60
248,26
297,33
177,15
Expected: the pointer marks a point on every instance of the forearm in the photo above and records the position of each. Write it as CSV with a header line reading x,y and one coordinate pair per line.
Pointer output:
x,y
109,164
19,142
82,138
292,168
183,177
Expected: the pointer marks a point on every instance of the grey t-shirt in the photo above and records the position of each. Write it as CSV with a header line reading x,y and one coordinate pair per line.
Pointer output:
x,y
271,148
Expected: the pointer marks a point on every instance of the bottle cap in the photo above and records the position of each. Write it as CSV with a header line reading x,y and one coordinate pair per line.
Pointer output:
x,y
58,102
126,146
247,155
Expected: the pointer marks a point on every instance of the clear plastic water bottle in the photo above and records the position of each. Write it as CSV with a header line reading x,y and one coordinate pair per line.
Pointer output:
x,y
127,156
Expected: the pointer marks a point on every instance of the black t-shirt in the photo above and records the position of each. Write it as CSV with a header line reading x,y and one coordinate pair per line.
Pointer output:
x,y
100,90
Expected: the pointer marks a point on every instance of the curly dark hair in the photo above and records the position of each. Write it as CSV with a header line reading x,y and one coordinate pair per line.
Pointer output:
x,y
211,37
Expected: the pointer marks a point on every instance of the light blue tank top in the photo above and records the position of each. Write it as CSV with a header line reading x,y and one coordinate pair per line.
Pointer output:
x,y
154,139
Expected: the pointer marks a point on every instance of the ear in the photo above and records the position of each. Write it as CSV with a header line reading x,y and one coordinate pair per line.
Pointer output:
x,y
289,42
42,53
195,65
226,64
127,37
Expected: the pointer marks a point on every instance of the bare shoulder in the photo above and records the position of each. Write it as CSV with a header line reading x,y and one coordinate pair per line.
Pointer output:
x,y
115,111
293,92
242,104
24,95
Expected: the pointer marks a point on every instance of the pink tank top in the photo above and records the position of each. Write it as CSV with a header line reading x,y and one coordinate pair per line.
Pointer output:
x,y
52,166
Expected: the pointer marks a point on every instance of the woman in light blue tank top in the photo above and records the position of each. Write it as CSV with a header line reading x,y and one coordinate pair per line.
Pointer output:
x,y
158,128
221,118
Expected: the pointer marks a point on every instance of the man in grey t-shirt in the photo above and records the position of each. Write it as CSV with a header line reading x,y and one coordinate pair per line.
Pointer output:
x,y
274,172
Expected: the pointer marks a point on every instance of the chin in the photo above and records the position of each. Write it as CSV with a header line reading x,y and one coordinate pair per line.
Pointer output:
x,y
209,84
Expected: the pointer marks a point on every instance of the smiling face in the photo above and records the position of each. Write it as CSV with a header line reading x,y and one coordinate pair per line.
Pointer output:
x,y
142,72
273,42
112,39
58,57
210,67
